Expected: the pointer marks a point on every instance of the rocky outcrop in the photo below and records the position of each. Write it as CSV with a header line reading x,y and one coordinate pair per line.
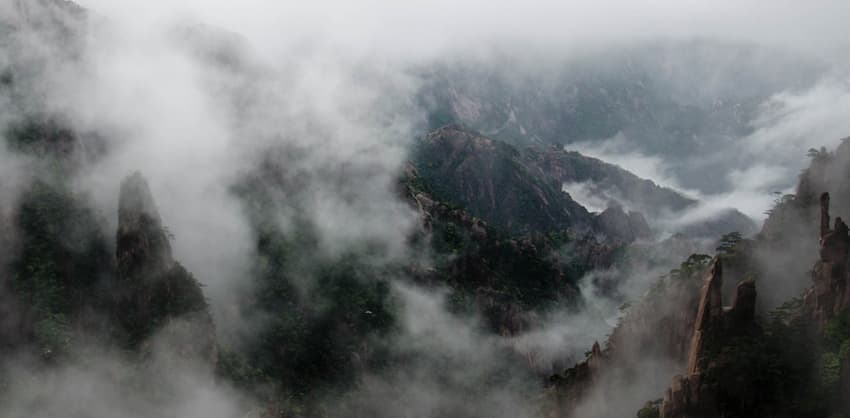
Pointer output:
x,y
708,314
569,389
155,295
492,181
486,265
690,395
522,190
143,249
829,296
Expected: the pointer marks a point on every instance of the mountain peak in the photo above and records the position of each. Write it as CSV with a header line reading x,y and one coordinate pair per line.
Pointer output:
x,y
142,242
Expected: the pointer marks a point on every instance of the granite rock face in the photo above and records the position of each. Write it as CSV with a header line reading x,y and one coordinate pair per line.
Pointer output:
x,y
689,395
828,296
155,295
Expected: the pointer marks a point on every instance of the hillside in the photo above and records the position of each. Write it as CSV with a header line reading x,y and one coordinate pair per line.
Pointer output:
x,y
524,190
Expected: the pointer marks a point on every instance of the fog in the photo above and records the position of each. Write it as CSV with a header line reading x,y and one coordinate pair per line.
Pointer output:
x,y
195,94
426,27
754,168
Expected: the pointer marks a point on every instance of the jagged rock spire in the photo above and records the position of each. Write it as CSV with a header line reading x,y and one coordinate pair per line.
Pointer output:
x,y
142,245
824,215
155,294
136,200
709,310
744,307
829,295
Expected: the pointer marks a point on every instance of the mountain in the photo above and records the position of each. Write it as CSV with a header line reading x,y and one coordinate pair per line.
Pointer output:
x,y
671,99
66,287
492,180
512,253
760,329
522,190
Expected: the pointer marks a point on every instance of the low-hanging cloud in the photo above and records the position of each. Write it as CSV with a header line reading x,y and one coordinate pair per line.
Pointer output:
x,y
332,79
751,169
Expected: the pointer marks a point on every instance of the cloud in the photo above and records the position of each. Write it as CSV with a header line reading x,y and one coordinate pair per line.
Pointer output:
x,y
750,169
100,384
424,27
332,79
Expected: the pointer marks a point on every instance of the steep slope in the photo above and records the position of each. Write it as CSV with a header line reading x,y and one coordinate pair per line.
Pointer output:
x,y
608,182
491,180
670,99
65,285
781,354
649,343
153,292
506,276
522,190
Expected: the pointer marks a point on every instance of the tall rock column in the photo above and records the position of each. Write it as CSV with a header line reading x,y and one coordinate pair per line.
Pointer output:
x,y
689,396
709,310
155,296
829,294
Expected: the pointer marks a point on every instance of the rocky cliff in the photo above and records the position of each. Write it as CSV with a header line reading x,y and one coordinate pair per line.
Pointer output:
x,y
736,368
528,190
829,296
155,294
691,395
505,276
491,180
653,334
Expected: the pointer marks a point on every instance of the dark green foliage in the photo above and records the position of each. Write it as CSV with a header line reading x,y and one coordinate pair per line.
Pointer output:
x,y
234,368
690,269
696,263
42,136
514,271
777,372
490,180
780,203
748,373
146,304
650,410
311,337
837,332
729,244
836,336
63,259
323,316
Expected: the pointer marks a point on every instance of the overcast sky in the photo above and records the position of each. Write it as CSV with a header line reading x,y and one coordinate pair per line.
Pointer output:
x,y
426,26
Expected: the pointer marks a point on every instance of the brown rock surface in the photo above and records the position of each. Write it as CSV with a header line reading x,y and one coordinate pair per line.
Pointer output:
x,y
688,396
828,295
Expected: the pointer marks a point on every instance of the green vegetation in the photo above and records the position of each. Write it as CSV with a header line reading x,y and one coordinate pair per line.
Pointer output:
x,y
324,316
650,410
63,256
778,371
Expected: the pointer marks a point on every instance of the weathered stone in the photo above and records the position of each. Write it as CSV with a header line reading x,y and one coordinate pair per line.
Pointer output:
x,y
743,310
688,396
828,295
155,296
709,311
